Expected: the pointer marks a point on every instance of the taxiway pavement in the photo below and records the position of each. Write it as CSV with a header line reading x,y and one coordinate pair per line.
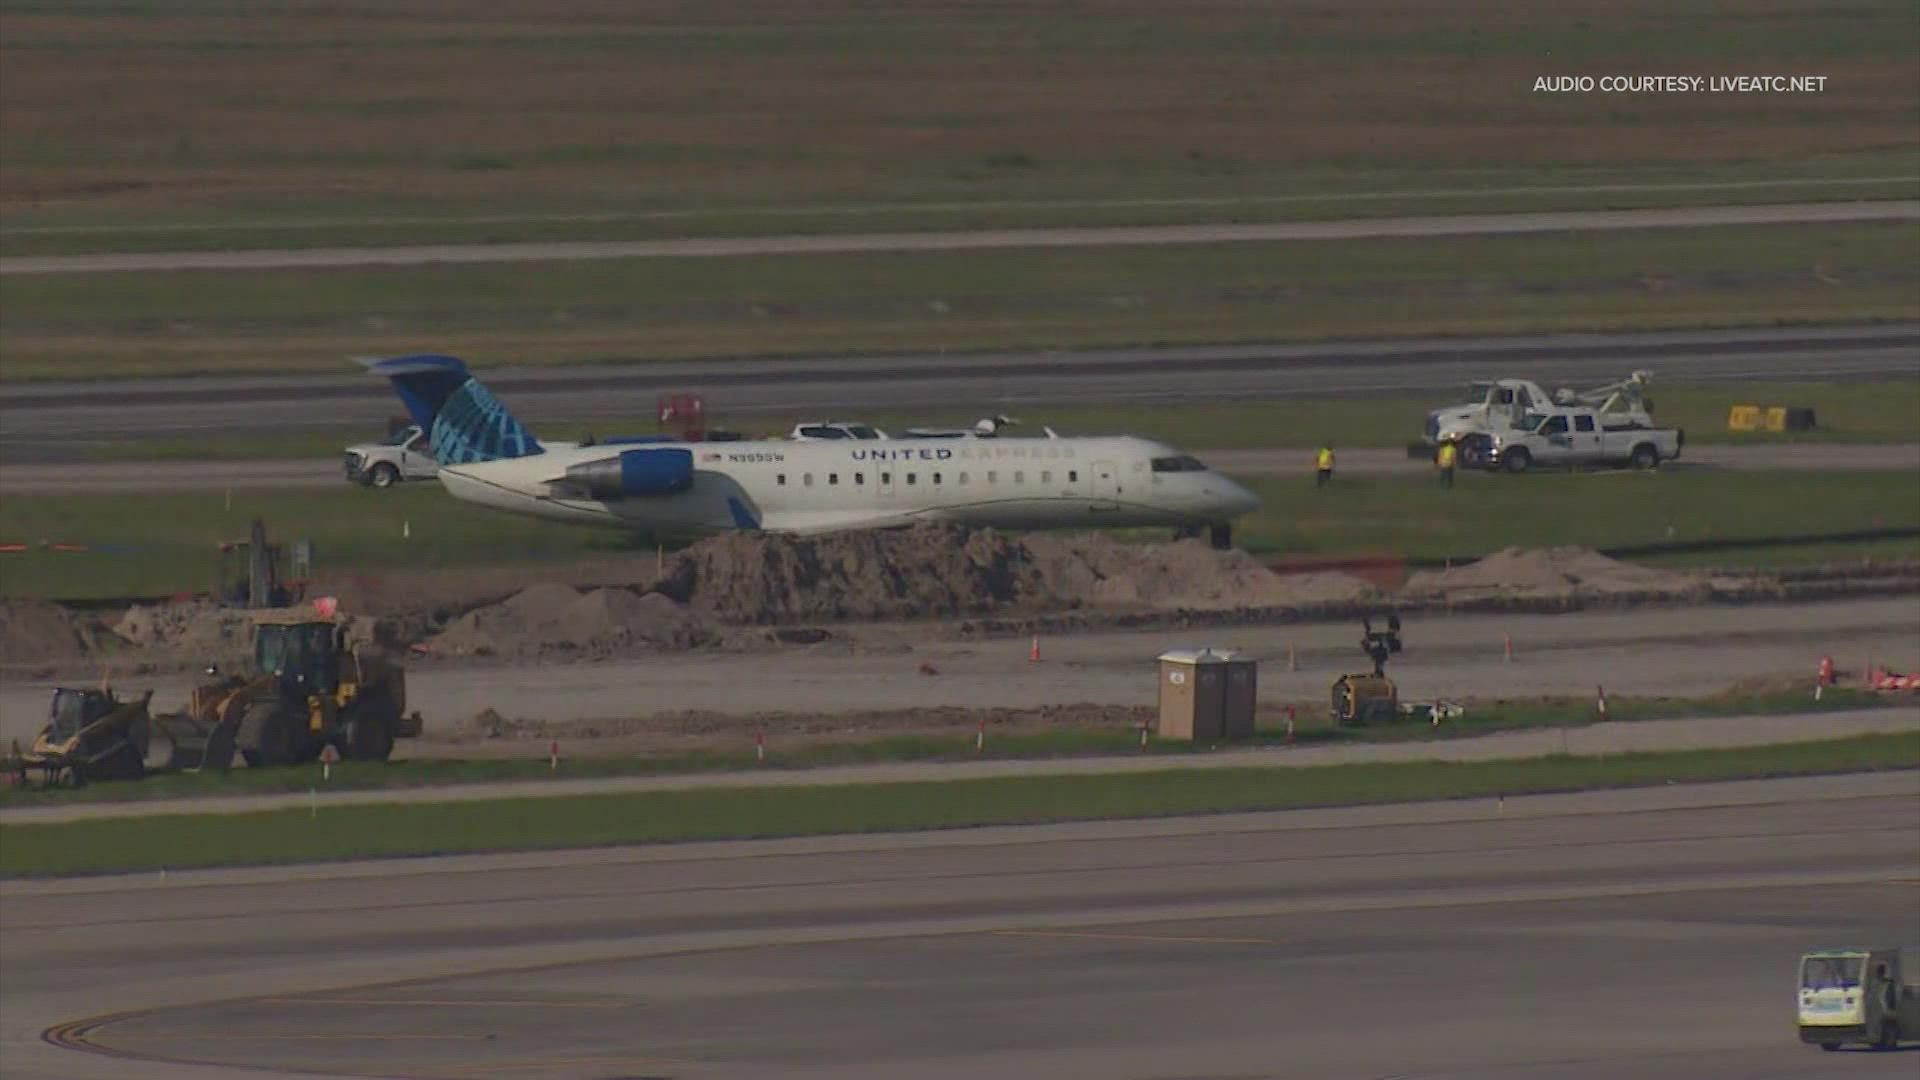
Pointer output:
x,y
66,421
1648,933
973,239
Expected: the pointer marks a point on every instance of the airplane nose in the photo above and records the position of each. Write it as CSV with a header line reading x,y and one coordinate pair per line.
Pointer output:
x,y
1237,500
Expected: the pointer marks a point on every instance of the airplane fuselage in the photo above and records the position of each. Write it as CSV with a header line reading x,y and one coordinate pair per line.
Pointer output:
x,y
783,486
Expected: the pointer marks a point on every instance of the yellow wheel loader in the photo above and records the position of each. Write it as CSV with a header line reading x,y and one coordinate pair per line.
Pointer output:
x,y
309,689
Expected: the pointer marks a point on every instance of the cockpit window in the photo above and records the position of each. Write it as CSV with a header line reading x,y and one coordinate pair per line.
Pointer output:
x,y
1183,463
862,431
822,432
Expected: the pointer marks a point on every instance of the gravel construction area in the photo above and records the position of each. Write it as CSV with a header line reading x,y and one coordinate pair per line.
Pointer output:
x,y
935,631
907,677
749,592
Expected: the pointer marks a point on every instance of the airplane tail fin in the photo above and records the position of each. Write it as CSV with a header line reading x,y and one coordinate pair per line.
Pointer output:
x,y
463,422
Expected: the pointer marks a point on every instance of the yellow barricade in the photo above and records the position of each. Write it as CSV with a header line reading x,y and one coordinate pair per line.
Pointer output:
x,y
1745,418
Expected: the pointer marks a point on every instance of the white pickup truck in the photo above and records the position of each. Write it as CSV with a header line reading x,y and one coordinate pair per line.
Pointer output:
x,y
404,455
1580,436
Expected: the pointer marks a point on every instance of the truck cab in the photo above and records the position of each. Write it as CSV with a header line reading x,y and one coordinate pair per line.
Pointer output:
x,y
402,455
1856,996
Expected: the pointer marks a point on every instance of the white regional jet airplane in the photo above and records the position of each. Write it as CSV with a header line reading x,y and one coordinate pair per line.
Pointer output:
x,y
670,488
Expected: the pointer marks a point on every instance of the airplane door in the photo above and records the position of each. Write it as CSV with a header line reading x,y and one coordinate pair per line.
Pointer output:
x,y
1106,485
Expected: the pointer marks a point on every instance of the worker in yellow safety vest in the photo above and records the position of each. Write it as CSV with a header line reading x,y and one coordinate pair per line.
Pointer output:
x,y
1323,466
1444,458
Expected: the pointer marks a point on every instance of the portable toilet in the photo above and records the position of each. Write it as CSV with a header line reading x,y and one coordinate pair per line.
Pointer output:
x,y
1193,694
1242,696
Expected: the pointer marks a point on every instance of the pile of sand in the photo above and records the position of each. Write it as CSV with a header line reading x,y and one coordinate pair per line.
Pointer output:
x,y
1550,573
946,572
36,634
1098,571
765,578
554,618
197,632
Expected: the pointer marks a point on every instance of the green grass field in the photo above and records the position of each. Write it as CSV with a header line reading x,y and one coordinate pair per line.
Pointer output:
x,y
1484,512
1879,411
1481,718
99,325
397,829
150,545
211,125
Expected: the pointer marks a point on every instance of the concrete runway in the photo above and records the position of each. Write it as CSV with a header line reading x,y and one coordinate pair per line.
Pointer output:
x,y
1648,933
62,421
1684,651
73,478
1113,236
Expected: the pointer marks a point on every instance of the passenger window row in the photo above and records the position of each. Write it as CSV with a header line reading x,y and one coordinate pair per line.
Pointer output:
x,y
913,479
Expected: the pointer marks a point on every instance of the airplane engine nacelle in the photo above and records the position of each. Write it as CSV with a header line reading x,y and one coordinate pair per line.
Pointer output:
x,y
635,474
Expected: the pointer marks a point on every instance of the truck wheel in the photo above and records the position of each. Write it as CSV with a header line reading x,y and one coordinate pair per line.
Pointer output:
x,y
369,738
1889,1036
1829,1047
269,734
1646,457
1518,460
383,475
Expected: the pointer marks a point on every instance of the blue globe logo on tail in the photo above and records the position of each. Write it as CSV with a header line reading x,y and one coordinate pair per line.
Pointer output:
x,y
463,421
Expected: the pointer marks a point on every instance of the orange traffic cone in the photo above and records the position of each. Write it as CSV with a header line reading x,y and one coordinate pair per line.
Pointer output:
x,y
1033,651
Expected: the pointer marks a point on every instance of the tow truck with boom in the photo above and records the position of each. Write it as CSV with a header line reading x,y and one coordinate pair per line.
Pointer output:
x,y
1515,405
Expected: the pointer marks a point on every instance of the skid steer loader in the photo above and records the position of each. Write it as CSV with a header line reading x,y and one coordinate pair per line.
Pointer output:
x,y
91,735
309,688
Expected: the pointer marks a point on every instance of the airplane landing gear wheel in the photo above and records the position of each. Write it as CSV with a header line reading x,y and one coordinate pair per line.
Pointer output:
x,y
1221,536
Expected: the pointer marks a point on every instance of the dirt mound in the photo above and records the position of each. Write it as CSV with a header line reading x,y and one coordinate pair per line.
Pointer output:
x,y
1550,572
763,578
34,633
553,618
941,572
1099,571
198,633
